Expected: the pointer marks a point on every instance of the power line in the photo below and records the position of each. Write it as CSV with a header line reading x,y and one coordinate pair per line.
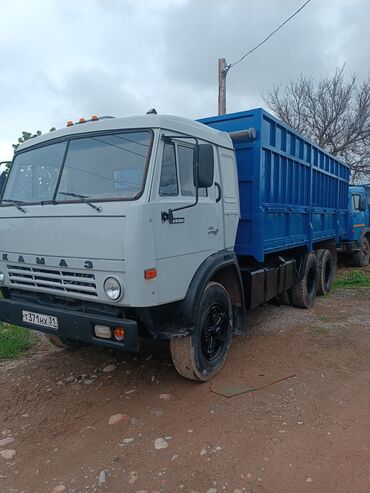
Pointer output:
x,y
268,37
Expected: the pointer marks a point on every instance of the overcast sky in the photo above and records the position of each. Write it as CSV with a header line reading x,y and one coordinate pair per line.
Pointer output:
x,y
63,59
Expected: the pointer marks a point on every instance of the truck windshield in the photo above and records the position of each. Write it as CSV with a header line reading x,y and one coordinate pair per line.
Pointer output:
x,y
103,166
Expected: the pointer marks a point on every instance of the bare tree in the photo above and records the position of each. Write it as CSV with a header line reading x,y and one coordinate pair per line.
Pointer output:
x,y
332,111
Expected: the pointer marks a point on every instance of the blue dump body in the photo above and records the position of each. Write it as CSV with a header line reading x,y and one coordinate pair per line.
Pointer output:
x,y
292,193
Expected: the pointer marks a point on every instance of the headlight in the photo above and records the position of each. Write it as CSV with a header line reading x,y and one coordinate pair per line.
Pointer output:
x,y
2,277
112,288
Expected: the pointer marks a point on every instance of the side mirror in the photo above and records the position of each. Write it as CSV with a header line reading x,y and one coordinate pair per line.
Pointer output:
x,y
3,177
206,166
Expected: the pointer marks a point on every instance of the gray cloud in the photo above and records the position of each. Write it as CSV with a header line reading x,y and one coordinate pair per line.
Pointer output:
x,y
62,60
314,43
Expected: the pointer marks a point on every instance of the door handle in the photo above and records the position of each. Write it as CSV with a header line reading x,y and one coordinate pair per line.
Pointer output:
x,y
212,230
218,186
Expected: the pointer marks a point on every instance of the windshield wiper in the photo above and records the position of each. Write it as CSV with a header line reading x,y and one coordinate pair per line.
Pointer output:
x,y
17,203
82,198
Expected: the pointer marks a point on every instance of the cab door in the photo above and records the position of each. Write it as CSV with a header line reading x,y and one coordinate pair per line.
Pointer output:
x,y
367,212
358,214
197,232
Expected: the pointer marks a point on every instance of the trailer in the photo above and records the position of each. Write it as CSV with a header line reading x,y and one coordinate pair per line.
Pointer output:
x,y
157,226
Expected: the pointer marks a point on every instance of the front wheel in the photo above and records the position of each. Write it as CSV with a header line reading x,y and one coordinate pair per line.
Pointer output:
x,y
361,257
201,355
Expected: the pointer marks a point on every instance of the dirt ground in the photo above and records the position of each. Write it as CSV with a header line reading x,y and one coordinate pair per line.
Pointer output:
x,y
307,433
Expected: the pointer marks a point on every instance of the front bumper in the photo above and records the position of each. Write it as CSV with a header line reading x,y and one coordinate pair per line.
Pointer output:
x,y
72,325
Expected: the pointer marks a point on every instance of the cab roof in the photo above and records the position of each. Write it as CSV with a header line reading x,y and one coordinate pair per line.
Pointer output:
x,y
165,122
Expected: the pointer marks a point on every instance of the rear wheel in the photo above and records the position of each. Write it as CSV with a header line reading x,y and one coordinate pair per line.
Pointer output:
x,y
303,294
200,355
63,342
361,257
325,272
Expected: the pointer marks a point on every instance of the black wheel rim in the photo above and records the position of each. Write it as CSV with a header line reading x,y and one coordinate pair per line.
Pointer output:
x,y
214,331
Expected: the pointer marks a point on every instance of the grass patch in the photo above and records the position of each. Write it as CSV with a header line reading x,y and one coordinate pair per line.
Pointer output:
x,y
14,341
356,278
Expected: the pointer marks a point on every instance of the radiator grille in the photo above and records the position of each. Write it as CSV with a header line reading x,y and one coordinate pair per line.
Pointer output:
x,y
46,280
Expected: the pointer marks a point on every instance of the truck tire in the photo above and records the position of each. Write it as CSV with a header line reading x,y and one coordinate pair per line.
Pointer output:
x,y
64,343
304,292
200,355
325,271
361,257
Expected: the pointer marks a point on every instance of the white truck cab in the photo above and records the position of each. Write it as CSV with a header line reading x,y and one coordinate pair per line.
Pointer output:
x,y
104,227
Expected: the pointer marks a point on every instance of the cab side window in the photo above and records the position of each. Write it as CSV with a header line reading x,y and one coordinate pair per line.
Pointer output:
x,y
168,186
186,158
356,202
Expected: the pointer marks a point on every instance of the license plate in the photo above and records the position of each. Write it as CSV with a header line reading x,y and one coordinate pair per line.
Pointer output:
x,y
40,319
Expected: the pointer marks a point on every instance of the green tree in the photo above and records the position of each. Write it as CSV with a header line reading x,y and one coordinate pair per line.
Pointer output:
x,y
27,136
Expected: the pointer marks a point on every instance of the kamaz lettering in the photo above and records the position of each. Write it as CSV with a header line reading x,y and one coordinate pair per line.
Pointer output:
x,y
87,264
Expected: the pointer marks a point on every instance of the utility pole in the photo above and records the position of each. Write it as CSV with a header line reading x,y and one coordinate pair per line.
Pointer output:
x,y
222,72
